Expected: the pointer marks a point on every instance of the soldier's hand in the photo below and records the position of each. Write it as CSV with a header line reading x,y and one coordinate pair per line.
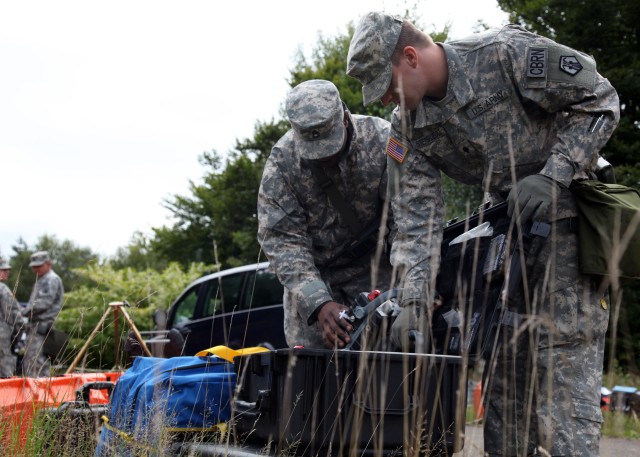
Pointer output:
x,y
532,198
407,320
334,325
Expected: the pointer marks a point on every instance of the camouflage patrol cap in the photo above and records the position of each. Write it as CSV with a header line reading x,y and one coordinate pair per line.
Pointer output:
x,y
369,57
315,111
39,258
4,265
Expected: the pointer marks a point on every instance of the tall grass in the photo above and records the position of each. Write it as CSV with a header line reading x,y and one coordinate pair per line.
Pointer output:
x,y
350,410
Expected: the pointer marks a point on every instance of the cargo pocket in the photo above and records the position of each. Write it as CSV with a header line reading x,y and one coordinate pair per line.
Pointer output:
x,y
586,428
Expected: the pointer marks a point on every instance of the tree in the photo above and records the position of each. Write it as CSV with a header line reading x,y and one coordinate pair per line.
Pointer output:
x,y
222,210
221,214
328,61
65,257
145,291
138,254
265,135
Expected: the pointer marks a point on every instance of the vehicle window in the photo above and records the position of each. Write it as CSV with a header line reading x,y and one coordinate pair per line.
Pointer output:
x,y
262,289
226,288
186,307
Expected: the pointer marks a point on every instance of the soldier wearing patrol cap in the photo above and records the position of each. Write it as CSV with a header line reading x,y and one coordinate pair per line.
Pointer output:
x,y
304,231
43,308
522,117
10,322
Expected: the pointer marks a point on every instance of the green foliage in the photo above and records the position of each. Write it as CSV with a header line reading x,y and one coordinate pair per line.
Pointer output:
x,y
145,291
220,208
138,255
620,425
460,200
265,135
65,256
626,345
219,217
328,61
628,175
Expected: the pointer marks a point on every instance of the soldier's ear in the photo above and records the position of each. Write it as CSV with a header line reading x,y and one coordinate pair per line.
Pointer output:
x,y
411,56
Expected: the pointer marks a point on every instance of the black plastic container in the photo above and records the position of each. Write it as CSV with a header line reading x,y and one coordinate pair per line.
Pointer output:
x,y
470,282
321,402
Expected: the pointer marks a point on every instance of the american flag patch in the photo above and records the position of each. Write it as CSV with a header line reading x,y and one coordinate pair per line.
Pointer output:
x,y
396,150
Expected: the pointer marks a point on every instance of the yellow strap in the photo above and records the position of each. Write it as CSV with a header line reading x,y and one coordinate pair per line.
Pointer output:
x,y
126,437
221,427
228,354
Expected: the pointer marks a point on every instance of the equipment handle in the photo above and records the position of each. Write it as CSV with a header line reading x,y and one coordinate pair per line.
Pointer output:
x,y
82,394
410,405
246,408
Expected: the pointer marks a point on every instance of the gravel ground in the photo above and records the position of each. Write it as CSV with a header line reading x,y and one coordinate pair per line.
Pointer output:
x,y
609,447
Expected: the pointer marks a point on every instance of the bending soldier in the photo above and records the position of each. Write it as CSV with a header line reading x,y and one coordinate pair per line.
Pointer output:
x,y
323,185
522,117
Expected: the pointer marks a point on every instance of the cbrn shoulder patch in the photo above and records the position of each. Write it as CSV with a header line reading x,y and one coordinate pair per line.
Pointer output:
x,y
537,62
557,63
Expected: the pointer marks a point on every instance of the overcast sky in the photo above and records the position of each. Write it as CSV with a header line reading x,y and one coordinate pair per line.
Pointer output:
x,y
105,106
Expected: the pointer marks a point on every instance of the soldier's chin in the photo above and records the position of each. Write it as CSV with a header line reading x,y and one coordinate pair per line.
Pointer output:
x,y
408,105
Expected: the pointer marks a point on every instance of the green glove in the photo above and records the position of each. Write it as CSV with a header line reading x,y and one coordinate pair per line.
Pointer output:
x,y
533,196
407,320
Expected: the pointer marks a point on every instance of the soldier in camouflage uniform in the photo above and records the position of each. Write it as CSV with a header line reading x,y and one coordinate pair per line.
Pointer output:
x,y
10,321
302,231
44,305
501,107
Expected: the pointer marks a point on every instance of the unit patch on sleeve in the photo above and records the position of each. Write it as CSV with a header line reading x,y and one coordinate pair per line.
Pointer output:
x,y
570,64
396,150
537,63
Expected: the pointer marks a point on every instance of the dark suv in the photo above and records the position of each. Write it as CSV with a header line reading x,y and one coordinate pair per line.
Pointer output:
x,y
239,307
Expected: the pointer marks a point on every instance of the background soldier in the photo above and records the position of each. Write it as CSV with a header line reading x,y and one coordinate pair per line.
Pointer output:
x,y
501,107
44,305
304,231
10,322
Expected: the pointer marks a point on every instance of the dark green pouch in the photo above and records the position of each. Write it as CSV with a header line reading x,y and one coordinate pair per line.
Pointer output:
x,y
608,229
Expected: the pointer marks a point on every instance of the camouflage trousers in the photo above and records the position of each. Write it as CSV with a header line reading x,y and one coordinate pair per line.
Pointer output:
x,y
34,362
7,359
542,384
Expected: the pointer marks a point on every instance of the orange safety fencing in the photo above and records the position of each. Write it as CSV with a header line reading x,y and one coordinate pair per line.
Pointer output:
x,y
22,398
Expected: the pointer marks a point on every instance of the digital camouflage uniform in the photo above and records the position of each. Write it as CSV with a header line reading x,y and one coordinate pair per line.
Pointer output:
x,y
44,305
300,229
10,319
516,103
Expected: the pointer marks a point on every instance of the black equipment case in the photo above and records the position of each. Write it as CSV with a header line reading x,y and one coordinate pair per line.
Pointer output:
x,y
335,403
471,282
308,402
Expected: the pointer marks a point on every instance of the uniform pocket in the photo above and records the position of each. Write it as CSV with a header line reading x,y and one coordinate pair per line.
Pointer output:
x,y
586,410
587,424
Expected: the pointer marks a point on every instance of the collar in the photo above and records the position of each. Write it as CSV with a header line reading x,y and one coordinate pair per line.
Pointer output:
x,y
459,94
